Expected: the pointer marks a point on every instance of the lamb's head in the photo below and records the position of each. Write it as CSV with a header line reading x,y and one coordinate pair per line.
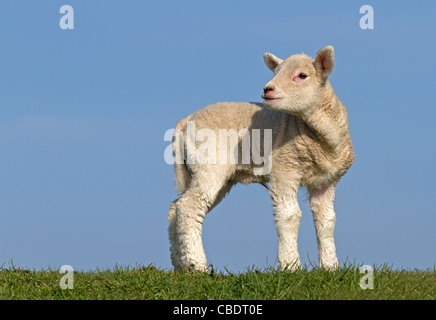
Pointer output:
x,y
298,82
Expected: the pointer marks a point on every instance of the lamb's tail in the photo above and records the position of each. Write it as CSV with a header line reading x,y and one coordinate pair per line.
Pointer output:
x,y
182,175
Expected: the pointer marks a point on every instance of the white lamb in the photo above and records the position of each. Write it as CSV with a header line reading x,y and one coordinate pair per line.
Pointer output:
x,y
311,147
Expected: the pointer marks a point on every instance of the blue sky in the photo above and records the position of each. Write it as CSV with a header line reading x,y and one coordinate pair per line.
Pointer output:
x,y
83,113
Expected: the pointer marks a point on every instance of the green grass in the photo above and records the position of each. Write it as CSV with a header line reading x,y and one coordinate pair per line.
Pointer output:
x,y
142,282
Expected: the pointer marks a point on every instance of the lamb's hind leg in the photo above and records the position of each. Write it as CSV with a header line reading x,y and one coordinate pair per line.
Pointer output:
x,y
174,239
324,217
186,225
174,242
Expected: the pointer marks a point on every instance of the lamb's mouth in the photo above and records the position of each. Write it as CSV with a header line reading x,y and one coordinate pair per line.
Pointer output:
x,y
270,99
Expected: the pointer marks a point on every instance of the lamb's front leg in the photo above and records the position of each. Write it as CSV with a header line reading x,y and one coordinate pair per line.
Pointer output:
x,y
324,217
287,216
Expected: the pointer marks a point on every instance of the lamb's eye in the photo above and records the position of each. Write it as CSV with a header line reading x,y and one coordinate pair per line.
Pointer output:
x,y
302,76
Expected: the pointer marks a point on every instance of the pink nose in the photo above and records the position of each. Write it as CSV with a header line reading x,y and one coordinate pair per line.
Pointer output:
x,y
268,92
268,89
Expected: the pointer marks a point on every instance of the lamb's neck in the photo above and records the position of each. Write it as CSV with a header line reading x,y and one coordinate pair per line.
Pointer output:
x,y
324,121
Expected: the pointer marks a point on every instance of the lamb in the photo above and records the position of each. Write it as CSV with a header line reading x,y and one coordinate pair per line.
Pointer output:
x,y
311,147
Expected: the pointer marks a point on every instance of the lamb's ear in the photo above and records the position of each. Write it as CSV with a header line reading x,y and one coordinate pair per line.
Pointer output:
x,y
271,60
324,62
